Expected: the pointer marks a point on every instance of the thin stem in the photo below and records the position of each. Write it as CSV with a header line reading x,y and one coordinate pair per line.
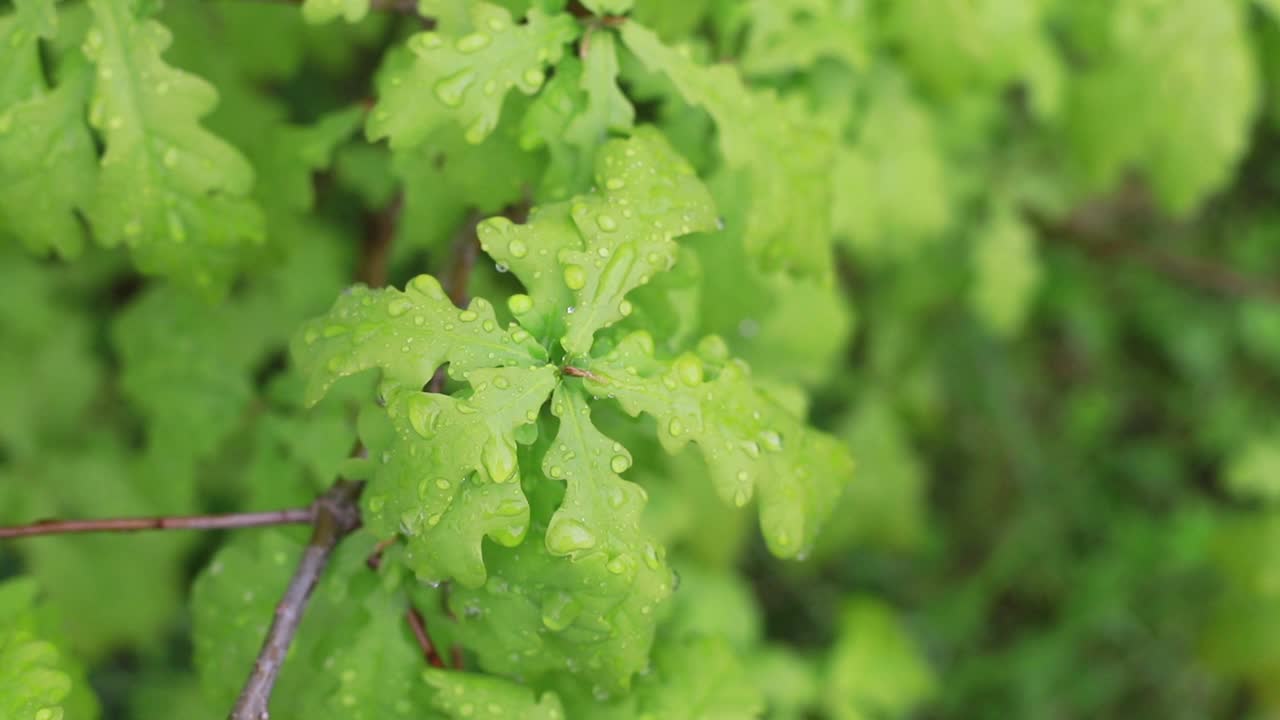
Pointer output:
x,y
292,516
375,253
337,514
419,626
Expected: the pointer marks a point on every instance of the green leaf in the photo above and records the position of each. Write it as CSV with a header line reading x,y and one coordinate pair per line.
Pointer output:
x,y
792,35
578,261
183,369
651,196
893,179
875,670
600,511
323,11
574,114
1006,271
451,476
1253,472
408,335
608,7
170,190
47,162
784,156
700,679
750,442
465,79
467,696
1182,76
593,617
33,679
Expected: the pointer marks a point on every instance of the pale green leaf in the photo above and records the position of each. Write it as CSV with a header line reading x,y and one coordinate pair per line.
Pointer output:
x,y
323,11
408,335
170,190
467,696
1181,76
465,79
451,476
1006,271
749,441
784,155
875,670
33,680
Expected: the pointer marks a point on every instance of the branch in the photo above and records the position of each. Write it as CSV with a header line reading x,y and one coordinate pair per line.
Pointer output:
x,y
293,516
375,252
465,249
1097,239
337,514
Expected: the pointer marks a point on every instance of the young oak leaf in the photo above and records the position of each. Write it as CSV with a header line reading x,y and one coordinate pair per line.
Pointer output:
x,y
622,234
408,335
465,79
749,441
451,476
600,510
593,616
650,196
784,156
469,696
173,192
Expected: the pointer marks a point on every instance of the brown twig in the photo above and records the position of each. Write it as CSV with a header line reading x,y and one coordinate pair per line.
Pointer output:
x,y
419,626
1099,239
292,516
337,514
375,253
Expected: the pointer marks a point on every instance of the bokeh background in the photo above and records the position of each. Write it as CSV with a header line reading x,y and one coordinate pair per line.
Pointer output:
x,y
1049,332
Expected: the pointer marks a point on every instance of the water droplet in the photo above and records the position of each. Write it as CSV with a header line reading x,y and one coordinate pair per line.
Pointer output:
x,y
615,183
625,308
741,497
499,459
534,76
620,564
620,463
398,307
473,42
520,304
567,536
575,277
376,503
467,315
423,415
451,89
772,440
651,557
428,286
509,508
606,223
559,611
675,427
689,369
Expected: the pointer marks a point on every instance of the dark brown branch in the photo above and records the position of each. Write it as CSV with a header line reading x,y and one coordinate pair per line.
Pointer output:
x,y
1098,240
292,516
419,626
404,7
375,253
337,514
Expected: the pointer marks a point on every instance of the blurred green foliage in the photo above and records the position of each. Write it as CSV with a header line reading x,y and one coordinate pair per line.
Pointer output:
x,y
1019,256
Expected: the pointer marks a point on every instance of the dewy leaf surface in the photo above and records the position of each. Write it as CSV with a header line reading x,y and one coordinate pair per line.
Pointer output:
x,y
465,79
749,441
467,696
170,190
408,335
579,262
451,476
650,196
